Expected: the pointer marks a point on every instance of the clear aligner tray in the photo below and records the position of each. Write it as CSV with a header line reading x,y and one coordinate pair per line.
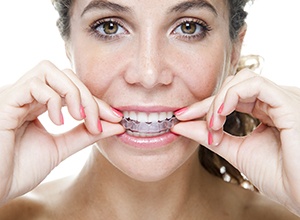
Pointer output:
x,y
149,127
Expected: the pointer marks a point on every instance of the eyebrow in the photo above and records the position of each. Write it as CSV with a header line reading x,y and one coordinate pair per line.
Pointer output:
x,y
102,4
187,5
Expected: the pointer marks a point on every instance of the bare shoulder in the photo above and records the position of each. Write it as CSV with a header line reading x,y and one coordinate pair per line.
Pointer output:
x,y
266,209
22,208
34,205
260,207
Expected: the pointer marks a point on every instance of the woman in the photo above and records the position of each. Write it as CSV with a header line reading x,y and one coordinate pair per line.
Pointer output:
x,y
150,85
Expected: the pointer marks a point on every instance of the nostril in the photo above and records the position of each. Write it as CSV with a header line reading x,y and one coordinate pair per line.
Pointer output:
x,y
148,72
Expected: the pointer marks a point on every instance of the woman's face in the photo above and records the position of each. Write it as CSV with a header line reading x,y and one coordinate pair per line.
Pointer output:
x,y
149,59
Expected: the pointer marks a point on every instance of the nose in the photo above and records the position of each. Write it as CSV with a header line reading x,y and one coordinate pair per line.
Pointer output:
x,y
149,66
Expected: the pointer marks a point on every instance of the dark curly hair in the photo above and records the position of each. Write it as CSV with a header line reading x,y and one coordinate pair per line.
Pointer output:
x,y
237,123
237,16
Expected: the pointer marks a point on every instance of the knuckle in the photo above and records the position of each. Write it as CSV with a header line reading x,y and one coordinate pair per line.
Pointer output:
x,y
44,63
259,80
45,68
68,71
72,91
246,72
54,101
33,82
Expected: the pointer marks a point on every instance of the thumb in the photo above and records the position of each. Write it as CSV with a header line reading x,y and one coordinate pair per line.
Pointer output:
x,y
238,151
195,130
79,137
227,147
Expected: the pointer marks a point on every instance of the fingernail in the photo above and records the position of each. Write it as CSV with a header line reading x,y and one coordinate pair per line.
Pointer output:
x,y
210,138
62,120
100,126
221,109
82,112
117,112
180,111
211,122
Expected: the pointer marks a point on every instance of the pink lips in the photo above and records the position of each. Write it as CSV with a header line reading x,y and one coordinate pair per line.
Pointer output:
x,y
148,142
154,142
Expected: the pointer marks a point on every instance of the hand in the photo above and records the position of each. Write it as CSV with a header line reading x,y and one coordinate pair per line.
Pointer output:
x,y
28,152
270,155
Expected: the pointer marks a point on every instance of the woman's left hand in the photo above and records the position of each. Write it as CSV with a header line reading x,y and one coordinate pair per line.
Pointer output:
x,y
270,155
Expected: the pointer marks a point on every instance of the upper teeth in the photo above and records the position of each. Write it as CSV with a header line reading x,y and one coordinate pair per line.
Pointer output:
x,y
147,117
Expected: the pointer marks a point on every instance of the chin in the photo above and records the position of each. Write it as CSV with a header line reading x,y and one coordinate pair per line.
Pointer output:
x,y
149,172
148,165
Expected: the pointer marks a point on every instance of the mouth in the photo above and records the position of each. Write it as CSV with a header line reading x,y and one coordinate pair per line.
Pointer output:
x,y
144,124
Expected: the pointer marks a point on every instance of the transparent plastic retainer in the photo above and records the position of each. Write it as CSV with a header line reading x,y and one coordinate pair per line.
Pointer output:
x,y
149,127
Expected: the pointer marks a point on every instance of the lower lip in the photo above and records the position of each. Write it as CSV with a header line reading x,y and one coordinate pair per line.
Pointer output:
x,y
148,142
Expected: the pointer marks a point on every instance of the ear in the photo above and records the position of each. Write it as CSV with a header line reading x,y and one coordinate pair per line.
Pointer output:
x,y
237,47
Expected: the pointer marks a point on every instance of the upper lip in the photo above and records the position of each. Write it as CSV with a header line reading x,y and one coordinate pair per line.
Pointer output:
x,y
147,108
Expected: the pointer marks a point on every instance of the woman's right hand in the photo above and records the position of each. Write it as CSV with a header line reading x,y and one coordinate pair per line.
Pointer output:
x,y
28,152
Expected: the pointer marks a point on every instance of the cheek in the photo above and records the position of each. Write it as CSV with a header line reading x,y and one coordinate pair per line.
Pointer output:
x,y
201,73
196,76
98,71
197,70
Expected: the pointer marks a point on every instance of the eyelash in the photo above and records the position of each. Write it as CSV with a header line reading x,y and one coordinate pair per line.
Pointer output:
x,y
200,25
94,26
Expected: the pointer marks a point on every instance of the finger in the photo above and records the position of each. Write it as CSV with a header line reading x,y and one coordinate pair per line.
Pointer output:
x,y
89,107
265,100
62,84
93,108
27,98
261,89
228,147
108,113
197,110
216,120
198,131
195,130
45,95
79,138
59,82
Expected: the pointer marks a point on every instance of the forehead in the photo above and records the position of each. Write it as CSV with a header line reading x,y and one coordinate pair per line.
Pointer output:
x,y
219,7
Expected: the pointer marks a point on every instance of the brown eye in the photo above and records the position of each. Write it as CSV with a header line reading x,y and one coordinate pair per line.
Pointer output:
x,y
189,27
110,28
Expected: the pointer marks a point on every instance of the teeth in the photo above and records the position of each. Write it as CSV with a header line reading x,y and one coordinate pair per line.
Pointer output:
x,y
162,116
142,124
169,115
142,117
133,116
147,117
152,117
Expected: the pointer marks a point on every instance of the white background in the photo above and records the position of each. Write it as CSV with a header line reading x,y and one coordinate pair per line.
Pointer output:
x,y
29,35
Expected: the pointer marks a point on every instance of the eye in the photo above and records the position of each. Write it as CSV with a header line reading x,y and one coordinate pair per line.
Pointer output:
x,y
192,29
189,27
108,28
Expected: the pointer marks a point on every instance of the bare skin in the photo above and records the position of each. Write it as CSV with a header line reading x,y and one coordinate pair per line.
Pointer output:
x,y
70,198
161,67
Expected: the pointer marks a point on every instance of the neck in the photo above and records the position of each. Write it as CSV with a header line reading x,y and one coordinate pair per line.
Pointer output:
x,y
107,187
